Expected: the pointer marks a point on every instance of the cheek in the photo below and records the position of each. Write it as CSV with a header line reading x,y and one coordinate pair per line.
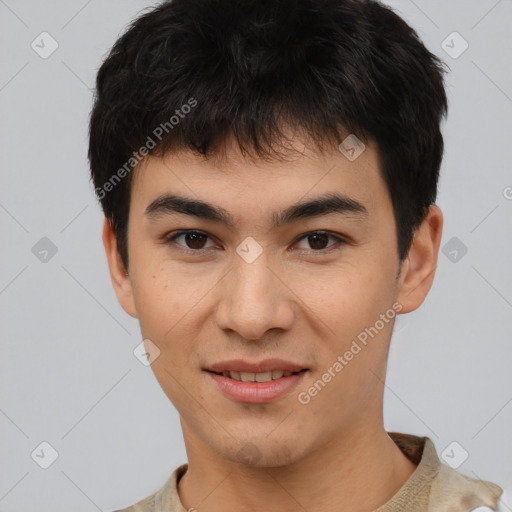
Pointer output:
x,y
350,301
349,297
160,300
174,307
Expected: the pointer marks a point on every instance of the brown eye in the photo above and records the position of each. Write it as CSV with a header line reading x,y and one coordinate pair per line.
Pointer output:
x,y
194,240
318,241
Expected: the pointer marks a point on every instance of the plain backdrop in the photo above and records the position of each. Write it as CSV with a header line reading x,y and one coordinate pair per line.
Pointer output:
x,y
68,375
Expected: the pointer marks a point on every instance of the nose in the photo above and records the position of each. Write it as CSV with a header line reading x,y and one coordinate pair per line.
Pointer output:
x,y
254,299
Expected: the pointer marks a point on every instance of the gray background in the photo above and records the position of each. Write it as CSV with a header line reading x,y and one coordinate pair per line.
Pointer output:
x,y
67,369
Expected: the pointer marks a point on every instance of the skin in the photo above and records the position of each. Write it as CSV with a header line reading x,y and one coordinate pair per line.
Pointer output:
x,y
297,302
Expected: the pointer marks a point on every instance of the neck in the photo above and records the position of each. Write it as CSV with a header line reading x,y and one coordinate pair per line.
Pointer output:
x,y
367,470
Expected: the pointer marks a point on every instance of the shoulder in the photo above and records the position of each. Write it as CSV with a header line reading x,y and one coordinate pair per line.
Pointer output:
x,y
166,499
443,487
504,504
453,490
147,504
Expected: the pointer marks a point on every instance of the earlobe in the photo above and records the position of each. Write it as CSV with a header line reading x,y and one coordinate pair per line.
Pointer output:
x,y
120,278
418,269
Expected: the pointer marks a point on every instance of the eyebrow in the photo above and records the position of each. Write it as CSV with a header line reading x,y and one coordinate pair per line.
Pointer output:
x,y
170,204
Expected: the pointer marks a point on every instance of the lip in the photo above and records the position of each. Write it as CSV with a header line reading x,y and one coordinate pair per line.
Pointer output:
x,y
256,392
267,365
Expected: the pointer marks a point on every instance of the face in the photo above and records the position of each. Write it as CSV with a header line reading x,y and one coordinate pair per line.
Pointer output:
x,y
254,277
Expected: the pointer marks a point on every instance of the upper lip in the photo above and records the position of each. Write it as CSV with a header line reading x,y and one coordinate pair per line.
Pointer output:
x,y
267,365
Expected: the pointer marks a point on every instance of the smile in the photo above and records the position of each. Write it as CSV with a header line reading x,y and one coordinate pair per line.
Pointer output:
x,y
257,377
256,388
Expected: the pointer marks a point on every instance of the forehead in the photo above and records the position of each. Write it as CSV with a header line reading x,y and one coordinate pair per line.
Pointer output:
x,y
251,184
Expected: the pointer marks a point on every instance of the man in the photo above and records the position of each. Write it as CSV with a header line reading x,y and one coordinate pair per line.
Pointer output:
x,y
268,173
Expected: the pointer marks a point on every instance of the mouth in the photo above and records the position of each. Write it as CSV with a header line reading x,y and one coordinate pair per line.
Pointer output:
x,y
257,388
257,377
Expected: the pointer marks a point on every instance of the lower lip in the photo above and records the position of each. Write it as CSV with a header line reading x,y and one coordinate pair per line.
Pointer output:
x,y
257,392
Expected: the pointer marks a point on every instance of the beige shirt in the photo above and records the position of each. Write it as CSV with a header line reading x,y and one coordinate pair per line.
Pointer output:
x,y
433,486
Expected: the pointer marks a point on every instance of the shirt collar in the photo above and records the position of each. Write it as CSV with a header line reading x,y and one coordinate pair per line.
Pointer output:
x,y
432,487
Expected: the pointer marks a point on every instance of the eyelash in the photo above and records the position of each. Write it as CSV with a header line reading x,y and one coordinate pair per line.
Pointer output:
x,y
170,239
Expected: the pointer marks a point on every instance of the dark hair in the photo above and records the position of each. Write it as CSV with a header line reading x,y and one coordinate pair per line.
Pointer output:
x,y
243,68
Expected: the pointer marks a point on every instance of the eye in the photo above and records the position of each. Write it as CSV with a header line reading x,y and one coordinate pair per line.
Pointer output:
x,y
194,240
318,240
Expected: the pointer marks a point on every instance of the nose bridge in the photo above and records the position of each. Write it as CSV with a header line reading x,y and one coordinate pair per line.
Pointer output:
x,y
253,299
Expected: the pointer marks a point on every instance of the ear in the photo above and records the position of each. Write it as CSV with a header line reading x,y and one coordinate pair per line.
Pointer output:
x,y
120,279
418,268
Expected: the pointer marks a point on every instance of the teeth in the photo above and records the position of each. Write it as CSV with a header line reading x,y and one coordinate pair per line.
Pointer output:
x,y
256,377
264,377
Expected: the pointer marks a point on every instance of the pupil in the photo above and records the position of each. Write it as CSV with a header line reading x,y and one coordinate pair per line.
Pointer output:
x,y
194,240
323,238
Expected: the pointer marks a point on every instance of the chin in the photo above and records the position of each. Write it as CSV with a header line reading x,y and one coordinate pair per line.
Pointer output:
x,y
265,453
